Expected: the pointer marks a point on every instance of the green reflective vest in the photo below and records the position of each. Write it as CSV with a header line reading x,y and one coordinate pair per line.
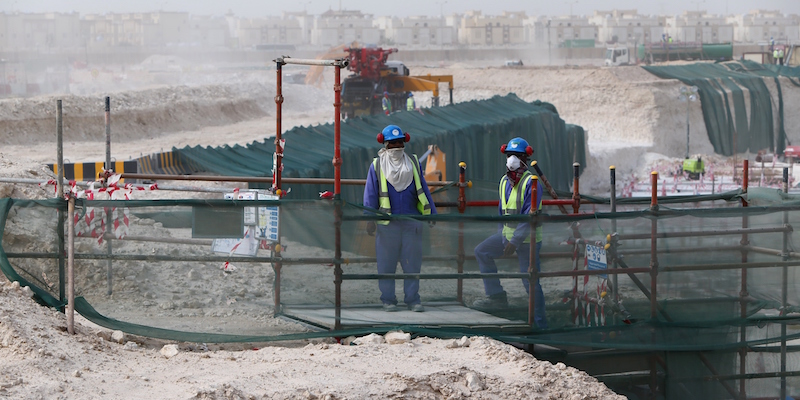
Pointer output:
x,y
513,204
410,104
423,206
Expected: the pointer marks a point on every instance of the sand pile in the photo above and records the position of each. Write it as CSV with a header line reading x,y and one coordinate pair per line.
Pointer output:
x,y
41,360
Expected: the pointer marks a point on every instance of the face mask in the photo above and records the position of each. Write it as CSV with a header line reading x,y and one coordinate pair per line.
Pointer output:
x,y
513,163
395,154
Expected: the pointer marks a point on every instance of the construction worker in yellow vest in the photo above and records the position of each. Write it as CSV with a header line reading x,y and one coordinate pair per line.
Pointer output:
x,y
411,105
780,56
396,186
776,56
515,236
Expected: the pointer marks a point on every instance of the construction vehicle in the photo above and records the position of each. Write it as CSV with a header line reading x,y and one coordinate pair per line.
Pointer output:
x,y
659,52
694,167
373,74
314,75
616,56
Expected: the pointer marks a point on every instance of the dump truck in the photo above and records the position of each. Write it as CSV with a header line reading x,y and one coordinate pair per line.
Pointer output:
x,y
661,52
373,74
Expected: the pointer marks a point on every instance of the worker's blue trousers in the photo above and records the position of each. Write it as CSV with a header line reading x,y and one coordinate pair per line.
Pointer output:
x,y
492,248
399,241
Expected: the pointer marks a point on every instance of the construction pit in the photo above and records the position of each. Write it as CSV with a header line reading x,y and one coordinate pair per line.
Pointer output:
x,y
703,277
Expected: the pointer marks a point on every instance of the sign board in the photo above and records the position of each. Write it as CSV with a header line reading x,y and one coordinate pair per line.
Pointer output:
x,y
247,245
596,259
268,220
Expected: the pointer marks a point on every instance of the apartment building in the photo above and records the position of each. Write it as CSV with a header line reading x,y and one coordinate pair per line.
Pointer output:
x,y
415,31
627,26
333,28
252,32
483,30
39,31
700,27
559,31
759,26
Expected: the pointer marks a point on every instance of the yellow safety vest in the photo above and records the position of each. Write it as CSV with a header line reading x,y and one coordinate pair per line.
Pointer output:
x,y
410,104
423,206
513,204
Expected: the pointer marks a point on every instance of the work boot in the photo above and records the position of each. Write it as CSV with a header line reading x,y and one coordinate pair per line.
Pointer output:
x,y
389,307
416,307
493,302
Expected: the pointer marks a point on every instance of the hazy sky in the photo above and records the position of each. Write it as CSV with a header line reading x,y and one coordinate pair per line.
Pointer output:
x,y
257,8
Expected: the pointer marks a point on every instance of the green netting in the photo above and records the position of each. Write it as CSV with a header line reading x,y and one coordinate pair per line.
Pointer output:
x,y
162,282
720,85
472,132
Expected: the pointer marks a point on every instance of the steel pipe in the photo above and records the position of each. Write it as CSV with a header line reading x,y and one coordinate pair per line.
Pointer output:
x,y
342,63
257,179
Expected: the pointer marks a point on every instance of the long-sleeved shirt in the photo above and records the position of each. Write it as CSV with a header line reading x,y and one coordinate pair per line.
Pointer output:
x,y
402,203
523,228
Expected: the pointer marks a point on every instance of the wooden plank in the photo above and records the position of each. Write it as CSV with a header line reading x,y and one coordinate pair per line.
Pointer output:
x,y
440,314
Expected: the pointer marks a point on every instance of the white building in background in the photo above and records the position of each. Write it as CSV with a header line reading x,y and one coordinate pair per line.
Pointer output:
x,y
758,26
700,27
627,26
305,21
333,28
484,30
113,30
419,31
39,31
252,32
209,32
558,31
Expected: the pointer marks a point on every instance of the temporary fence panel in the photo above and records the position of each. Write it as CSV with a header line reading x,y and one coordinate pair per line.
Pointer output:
x,y
726,122
667,282
471,132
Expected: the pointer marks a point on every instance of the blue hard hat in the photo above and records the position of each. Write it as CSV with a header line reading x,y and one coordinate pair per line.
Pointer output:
x,y
410,94
385,93
517,145
392,132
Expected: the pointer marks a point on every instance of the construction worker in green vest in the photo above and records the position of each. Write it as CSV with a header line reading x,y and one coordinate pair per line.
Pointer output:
x,y
411,105
386,103
775,56
396,186
513,237
780,56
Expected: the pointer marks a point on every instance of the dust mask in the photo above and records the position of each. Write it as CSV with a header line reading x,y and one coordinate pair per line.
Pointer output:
x,y
513,163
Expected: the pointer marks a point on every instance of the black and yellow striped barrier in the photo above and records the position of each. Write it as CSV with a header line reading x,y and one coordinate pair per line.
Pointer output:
x,y
89,171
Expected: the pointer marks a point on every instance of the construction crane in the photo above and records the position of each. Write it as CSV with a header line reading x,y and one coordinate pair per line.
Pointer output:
x,y
373,74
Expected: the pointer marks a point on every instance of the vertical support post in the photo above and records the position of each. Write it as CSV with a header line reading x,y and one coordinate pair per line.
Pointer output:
x,y
688,110
277,167
71,268
108,133
653,275
462,206
435,101
278,163
60,194
784,286
614,279
576,196
743,294
451,96
109,222
337,164
532,272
